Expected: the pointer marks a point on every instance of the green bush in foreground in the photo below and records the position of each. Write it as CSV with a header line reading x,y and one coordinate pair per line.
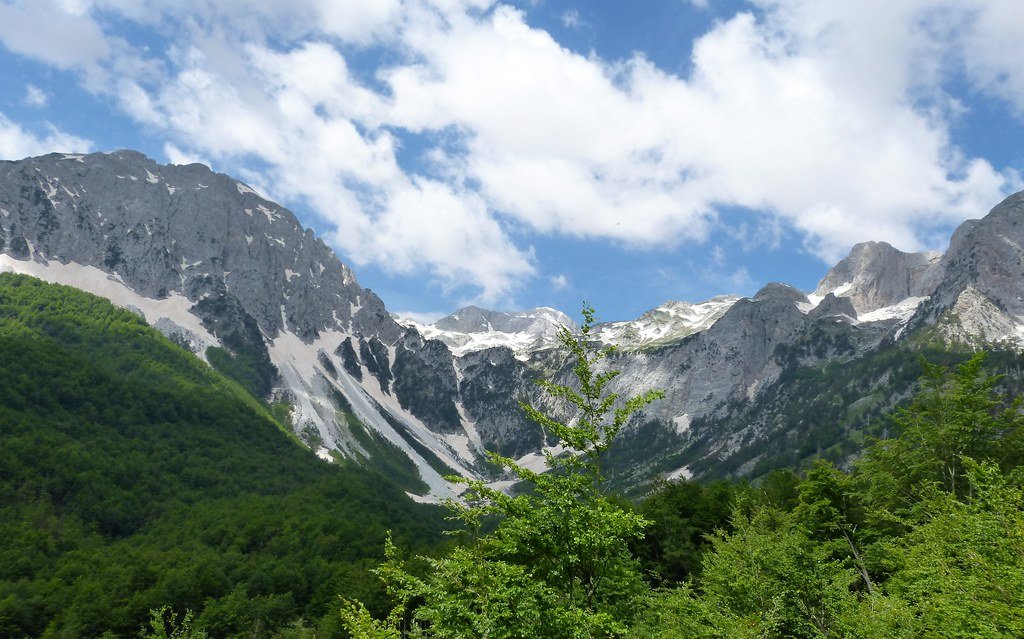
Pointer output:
x,y
557,564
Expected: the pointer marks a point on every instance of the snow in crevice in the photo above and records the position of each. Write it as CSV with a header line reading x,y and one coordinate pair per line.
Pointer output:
x,y
813,299
308,383
901,311
271,215
682,423
151,178
245,188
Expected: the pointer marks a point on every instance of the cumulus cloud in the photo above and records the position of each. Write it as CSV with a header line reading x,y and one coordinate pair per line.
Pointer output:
x,y
55,32
830,118
989,49
16,142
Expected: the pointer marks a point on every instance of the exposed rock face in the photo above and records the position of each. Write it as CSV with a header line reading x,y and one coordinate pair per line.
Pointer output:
x,y
418,361
183,229
989,257
876,275
211,263
832,306
493,381
266,289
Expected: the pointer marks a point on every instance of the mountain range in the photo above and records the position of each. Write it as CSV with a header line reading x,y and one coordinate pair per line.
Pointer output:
x,y
750,383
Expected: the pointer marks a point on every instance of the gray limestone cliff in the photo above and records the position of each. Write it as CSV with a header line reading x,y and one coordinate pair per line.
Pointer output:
x,y
185,229
876,275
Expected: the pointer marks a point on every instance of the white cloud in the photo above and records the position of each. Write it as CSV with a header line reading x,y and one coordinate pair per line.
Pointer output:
x,y
306,127
559,282
51,31
178,156
17,143
832,118
807,115
35,97
992,49
572,20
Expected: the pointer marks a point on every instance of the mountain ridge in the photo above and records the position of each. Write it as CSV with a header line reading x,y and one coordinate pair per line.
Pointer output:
x,y
237,279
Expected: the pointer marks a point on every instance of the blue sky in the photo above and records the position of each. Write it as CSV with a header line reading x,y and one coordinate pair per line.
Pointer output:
x,y
545,152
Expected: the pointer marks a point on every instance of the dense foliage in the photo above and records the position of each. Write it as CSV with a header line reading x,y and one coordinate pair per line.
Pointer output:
x,y
133,477
923,538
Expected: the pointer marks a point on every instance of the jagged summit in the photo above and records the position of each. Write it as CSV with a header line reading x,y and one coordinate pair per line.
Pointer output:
x,y
185,230
979,279
473,329
875,275
473,319
670,322
780,291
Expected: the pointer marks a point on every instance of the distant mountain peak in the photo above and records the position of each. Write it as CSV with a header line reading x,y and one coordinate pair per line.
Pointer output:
x,y
876,275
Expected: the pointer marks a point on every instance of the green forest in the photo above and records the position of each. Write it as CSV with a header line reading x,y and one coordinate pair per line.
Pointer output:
x,y
143,494
133,476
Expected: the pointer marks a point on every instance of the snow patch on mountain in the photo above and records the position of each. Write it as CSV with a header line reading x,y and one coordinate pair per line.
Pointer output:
x,y
815,298
474,329
171,316
669,322
901,311
683,473
245,188
311,388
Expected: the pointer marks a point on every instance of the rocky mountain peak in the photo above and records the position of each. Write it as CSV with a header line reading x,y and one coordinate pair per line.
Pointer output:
x,y
987,256
777,291
473,319
185,230
876,275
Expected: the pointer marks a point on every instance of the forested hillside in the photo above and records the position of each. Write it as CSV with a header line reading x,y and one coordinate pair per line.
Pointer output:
x,y
134,476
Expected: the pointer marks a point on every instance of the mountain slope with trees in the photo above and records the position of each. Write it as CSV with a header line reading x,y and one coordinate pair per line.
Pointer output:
x,y
133,476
